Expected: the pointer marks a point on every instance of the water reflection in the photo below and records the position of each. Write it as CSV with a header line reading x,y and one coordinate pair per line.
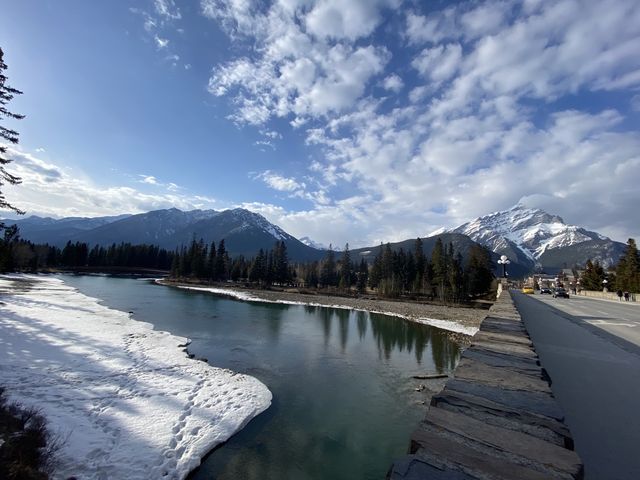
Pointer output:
x,y
390,334
326,315
344,403
273,317
343,319
361,319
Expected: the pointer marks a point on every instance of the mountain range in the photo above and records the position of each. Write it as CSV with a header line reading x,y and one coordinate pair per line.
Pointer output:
x,y
537,240
244,232
531,238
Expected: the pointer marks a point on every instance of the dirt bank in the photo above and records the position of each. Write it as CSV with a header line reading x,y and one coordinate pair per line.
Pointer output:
x,y
461,321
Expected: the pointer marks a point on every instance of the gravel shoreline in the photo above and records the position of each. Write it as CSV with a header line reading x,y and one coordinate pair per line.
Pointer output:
x,y
459,321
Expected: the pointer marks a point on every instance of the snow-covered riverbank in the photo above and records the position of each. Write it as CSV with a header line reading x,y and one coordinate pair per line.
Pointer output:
x,y
125,399
465,321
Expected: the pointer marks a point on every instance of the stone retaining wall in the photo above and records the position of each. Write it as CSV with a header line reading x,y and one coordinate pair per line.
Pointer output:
x,y
496,418
605,295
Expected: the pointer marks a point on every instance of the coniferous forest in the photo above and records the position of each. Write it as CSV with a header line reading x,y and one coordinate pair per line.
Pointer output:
x,y
444,276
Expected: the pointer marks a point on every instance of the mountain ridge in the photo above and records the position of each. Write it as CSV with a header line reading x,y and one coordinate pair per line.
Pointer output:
x,y
533,237
243,231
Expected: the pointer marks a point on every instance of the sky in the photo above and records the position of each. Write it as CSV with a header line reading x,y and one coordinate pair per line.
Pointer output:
x,y
355,121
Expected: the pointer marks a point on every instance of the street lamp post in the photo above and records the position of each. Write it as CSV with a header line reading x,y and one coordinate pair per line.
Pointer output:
x,y
604,285
504,261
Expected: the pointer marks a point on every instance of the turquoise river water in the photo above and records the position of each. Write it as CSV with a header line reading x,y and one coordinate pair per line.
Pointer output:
x,y
344,403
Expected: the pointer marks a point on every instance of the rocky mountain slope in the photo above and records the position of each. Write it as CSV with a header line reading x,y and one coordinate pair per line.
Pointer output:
x,y
244,232
538,240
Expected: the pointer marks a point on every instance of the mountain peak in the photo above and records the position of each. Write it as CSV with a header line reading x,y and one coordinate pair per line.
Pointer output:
x,y
312,243
528,231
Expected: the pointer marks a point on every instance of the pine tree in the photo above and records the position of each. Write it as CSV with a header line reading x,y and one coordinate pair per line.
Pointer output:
x,y
257,269
222,262
175,266
418,254
478,271
211,262
592,276
328,273
362,276
375,275
346,270
7,94
280,263
6,248
628,269
439,268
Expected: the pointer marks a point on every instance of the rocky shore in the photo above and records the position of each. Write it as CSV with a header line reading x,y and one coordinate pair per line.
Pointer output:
x,y
460,321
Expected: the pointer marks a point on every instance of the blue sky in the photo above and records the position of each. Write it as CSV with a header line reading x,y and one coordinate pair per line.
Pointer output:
x,y
341,120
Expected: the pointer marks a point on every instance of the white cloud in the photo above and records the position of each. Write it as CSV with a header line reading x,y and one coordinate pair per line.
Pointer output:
x,y
432,28
393,83
167,9
265,143
292,72
280,183
439,63
479,132
149,179
48,189
485,19
345,19
161,42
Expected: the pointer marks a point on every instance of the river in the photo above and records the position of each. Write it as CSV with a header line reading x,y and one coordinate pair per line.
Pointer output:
x,y
344,403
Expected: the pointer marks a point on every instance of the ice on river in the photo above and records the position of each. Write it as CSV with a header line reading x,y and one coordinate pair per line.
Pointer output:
x,y
125,399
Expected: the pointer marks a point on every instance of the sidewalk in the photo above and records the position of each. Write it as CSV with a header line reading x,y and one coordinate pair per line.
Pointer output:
x,y
611,300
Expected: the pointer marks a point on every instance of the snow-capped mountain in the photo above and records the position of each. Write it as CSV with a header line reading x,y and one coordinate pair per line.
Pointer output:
x,y
319,246
313,244
244,232
535,237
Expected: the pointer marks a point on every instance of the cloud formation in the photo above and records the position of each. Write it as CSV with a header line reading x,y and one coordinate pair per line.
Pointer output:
x,y
47,189
495,108
380,120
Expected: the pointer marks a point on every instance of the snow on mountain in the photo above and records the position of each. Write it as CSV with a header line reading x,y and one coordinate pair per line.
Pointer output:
x,y
531,230
252,219
312,243
436,232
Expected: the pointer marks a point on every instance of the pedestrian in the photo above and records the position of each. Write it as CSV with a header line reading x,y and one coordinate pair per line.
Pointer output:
x,y
626,296
619,293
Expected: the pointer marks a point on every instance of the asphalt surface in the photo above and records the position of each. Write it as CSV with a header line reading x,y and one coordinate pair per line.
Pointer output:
x,y
591,351
621,320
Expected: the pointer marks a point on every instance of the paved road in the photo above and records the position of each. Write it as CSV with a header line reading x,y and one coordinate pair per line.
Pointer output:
x,y
618,321
595,377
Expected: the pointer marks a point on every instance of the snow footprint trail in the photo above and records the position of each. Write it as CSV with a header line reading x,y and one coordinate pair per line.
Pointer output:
x,y
128,400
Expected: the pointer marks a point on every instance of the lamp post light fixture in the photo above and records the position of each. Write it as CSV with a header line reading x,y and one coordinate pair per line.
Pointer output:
x,y
604,285
504,261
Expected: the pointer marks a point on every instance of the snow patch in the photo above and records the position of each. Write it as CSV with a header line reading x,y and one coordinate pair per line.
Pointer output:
x,y
247,297
312,243
125,397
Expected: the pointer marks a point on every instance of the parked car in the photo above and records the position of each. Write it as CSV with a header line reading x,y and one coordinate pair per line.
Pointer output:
x,y
528,290
545,291
560,292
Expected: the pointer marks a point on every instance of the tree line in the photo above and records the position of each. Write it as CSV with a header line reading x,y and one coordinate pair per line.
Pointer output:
x,y
625,276
23,255
444,275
